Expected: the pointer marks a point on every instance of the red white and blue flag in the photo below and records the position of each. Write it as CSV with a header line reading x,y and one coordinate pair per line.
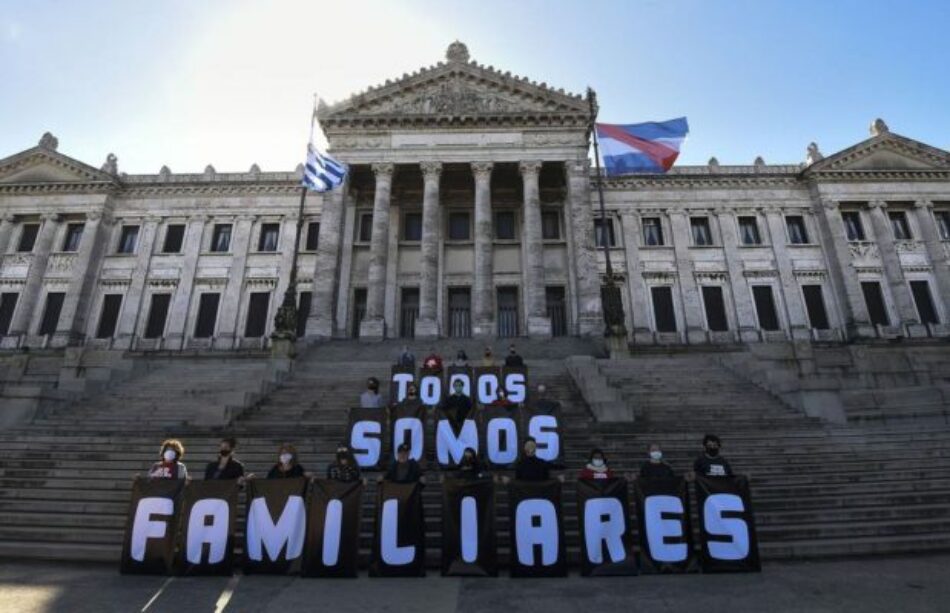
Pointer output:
x,y
641,147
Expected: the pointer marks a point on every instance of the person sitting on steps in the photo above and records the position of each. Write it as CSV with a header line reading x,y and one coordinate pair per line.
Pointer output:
x,y
226,466
404,469
711,463
345,469
406,358
370,398
513,359
530,467
655,468
287,466
433,361
597,467
461,359
170,465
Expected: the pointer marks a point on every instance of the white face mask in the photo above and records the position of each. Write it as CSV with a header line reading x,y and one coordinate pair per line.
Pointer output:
x,y
597,462
169,455
656,455
285,458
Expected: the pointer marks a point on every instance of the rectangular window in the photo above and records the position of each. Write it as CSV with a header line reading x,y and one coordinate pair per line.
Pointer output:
x,y
599,227
221,238
157,315
109,317
765,307
7,306
174,238
73,236
749,231
702,236
943,224
663,311
207,315
853,228
796,230
127,239
54,304
556,309
269,236
459,227
303,312
652,232
924,302
507,298
715,308
874,299
815,304
409,310
256,323
412,227
365,228
505,225
313,236
359,311
550,225
900,226
28,237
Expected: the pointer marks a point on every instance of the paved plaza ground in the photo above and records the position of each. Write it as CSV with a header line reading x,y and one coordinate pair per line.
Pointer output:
x,y
868,585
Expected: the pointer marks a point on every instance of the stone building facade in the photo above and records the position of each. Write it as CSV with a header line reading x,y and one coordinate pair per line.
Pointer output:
x,y
471,209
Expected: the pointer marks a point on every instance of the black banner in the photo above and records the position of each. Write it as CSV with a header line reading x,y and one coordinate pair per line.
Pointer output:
x,y
545,429
276,525
208,517
333,529
726,525
408,425
469,546
399,540
151,524
450,441
365,433
606,531
501,443
666,539
537,529
399,380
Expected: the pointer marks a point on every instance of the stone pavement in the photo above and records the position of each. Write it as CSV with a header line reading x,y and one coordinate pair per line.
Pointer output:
x,y
868,585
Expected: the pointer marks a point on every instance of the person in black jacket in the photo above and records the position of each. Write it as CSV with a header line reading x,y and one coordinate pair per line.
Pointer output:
x,y
513,359
226,466
287,466
530,467
404,469
457,406
470,468
345,469
655,467
711,463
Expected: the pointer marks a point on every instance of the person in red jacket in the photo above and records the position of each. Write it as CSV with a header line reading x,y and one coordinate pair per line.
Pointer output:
x,y
597,467
433,361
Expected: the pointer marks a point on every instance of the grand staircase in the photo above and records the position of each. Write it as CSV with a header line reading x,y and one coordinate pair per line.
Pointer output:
x,y
818,490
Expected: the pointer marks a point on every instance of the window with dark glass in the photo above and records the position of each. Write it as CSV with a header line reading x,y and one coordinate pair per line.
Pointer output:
x,y
600,228
749,231
815,305
127,239
313,236
550,225
54,304
8,302
899,224
73,236
256,322
715,308
174,238
221,238
28,237
504,225
765,307
796,230
652,232
303,312
853,228
109,317
924,302
943,224
207,315
874,299
702,236
157,315
269,236
663,311
366,227
459,227
412,227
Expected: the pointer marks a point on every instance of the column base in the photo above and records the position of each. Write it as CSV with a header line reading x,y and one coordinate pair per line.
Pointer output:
x,y
617,347
320,328
590,325
861,330
373,330
749,335
696,336
173,342
10,342
643,336
801,333
483,329
539,326
916,330
226,342
122,342
427,329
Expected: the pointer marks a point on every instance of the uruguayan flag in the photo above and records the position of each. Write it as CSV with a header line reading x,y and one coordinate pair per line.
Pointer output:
x,y
322,173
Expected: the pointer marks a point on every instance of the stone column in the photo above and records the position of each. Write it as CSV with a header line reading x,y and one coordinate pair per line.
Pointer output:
x,y
483,299
346,266
320,322
373,326
689,291
6,231
891,261
426,324
27,311
125,329
539,324
181,301
791,293
639,316
843,275
85,269
741,296
590,317
288,232
935,251
227,329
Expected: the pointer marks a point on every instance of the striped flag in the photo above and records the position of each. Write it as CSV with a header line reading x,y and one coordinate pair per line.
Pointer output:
x,y
641,147
322,173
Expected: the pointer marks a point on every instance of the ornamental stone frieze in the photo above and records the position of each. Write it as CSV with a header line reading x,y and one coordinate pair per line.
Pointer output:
x,y
910,246
863,250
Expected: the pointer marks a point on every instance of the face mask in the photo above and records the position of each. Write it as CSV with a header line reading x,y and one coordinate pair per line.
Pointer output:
x,y
225,452
656,455
597,462
285,458
713,451
169,455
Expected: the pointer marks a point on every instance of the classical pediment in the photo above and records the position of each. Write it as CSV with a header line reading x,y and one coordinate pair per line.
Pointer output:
x,y
43,164
884,153
455,89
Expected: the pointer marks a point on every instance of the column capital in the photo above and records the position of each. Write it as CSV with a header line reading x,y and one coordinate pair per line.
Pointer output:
x,y
529,167
50,216
94,216
923,203
8,218
431,170
199,217
246,217
877,204
482,170
829,205
153,219
383,170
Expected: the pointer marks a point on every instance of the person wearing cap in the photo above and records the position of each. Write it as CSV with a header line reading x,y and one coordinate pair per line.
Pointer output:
x,y
344,469
404,469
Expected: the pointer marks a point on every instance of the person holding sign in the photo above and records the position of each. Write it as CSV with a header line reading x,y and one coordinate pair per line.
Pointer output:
x,y
227,467
530,467
470,468
655,467
404,469
710,463
501,400
597,467
457,406
169,466
345,469
287,466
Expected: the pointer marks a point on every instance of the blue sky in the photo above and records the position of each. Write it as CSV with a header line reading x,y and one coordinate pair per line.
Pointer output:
x,y
230,82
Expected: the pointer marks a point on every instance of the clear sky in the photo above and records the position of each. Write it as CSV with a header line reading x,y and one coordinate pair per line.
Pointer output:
x,y
229,82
